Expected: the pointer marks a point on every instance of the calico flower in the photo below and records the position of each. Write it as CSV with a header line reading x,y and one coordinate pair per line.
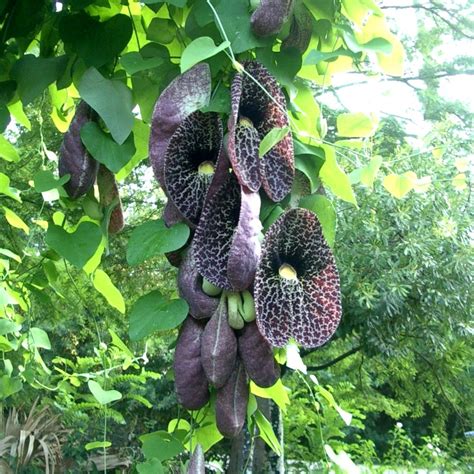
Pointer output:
x,y
255,112
297,291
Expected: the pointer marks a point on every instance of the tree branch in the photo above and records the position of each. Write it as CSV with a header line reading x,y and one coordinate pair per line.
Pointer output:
x,y
333,361
433,10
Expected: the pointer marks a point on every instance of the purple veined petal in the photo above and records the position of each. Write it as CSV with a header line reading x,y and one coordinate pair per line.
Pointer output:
x,y
74,159
222,230
269,17
254,110
201,306
245,251
190,163
301,29
297,292
171,215
190,381
184,95
243,141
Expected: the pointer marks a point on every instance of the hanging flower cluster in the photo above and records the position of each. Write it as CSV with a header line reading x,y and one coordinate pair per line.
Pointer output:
x,y
84,171
246,291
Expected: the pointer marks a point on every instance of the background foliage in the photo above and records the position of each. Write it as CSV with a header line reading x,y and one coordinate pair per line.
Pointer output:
x,y
392,388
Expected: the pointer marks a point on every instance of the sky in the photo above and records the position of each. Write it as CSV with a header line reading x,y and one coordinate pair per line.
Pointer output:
x,y
385,97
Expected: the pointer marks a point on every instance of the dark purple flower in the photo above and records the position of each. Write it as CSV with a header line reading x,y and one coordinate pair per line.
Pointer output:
x,y
74,159
297,292
226,246
254,114
269,17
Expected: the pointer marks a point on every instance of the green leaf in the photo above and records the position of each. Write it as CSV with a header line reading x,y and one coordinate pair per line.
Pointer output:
x,y
38,338
76,247
161,30
266,432
45,181
154,238
235,18
8,151
277,392
34,74
7,190
357,124
104,397
15,220
160,445
112,100
398,185
9,386
97,444
315,56
141,139
335,178
10,254
95,42
377,45
200,49
134,62
274,136
154,312
7,327
326,213
105,150
103,284
309,160
152,466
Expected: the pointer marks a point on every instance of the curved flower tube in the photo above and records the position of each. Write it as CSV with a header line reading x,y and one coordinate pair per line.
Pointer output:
x,y
74,159
191,161
201,306
184,95
269,17
297,292
253,115
109,195
226,246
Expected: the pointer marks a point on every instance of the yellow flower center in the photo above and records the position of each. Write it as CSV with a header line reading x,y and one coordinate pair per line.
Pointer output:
x,y
287,272
206,167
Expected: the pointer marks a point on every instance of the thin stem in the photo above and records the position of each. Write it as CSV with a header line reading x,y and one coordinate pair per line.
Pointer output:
x,y
221,28
134,26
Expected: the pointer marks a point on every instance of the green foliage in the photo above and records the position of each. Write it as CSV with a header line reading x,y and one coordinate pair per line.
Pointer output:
x,y
404,254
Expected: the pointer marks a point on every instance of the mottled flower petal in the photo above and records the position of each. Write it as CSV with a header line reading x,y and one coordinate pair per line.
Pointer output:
x,y
190,163
109,194
184,95
269,17
301,29
225,247
297,292
74,159
190,288
253,109
245,250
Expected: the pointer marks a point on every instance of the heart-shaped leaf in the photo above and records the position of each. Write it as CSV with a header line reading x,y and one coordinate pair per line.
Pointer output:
x,y
398,185
95,42
112,100
154,238
76,247
198,50
104,397
154,312
104,149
